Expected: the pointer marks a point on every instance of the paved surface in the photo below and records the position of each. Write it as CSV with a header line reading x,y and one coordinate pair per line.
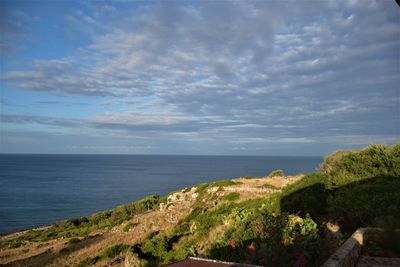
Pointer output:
x,y
378,262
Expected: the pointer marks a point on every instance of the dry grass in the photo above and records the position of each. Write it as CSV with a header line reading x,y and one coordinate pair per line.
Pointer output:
x,y
59,252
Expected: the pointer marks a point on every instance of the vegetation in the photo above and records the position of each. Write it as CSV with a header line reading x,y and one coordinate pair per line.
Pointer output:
x,y
276,173
284,228
128,227
81,227
268,185
107,253
232,196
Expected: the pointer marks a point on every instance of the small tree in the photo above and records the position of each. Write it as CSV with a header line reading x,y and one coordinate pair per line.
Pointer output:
x,y
276,173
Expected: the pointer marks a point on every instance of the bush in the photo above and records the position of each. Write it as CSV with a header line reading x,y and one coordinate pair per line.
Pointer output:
x,y
89,261
113,251
307,195
232,196
258,237
74,240
268,185
278,172
128,227
223,183
360,203
346,167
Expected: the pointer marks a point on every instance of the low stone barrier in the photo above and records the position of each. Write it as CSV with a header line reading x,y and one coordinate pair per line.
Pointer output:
x,y
349,254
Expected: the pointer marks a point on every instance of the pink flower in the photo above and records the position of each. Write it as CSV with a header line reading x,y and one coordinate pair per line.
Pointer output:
x,y
251,248
233,244
259,229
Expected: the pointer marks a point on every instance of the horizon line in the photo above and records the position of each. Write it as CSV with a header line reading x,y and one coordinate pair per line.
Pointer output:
x,y
125,154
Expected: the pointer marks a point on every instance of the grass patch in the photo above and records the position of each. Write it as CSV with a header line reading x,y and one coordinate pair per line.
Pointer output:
x,y
108,253
226,182
232,196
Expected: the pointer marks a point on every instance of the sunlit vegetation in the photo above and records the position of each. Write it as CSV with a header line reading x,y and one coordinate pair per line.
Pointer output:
x,y
282,228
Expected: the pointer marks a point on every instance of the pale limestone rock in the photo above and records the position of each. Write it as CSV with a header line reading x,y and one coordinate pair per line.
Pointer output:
x,y
132,260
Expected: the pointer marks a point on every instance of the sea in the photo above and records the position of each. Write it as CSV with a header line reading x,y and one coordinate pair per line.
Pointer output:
x,y
37,190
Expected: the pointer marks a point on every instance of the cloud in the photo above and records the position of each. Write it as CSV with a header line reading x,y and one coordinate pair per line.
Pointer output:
x,y
232,70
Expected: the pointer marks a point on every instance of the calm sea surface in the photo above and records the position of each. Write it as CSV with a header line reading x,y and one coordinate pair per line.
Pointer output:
x,y
40,189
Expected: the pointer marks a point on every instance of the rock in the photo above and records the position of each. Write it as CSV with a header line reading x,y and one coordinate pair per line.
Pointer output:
x,y
132,260
333,230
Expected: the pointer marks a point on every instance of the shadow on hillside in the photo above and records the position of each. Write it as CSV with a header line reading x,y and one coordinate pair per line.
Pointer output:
x,y
355,204
266,255
49,256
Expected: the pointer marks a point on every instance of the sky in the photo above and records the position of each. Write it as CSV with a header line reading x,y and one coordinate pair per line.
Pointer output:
x,y
198,77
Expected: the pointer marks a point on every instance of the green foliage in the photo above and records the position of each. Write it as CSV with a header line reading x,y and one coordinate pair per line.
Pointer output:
x,y
207,220
167,247
187,189
89,261
128,226
348,167
277,172
223,183
360,203
356,185
268,185
384,243
74,240
307,195
200,188
232,196
274,238
81,227
113,251
150,202
108,253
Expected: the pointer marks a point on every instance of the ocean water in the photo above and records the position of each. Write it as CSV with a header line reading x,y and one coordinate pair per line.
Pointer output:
x,y
40,189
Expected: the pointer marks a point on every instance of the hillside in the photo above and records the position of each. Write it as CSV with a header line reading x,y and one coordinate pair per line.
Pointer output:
x,y
274,221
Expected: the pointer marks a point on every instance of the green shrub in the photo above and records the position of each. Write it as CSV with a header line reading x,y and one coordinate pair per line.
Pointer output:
x,y
232,196
74,240
223,183
273,238
187,189
89,261
352,166
360,203
113,251
268,185
307,195
128,226
278,172
200,188
150,202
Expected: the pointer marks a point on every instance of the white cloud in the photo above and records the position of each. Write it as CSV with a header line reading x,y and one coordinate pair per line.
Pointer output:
x,y
221,68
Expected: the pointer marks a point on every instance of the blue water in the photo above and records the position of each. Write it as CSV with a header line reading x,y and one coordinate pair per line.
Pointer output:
x,y
40,189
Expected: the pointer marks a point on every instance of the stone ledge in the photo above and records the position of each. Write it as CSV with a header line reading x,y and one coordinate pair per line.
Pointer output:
x,y
349,254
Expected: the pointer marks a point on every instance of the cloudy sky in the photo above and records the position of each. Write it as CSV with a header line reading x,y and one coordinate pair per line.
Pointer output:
x,y
198,77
